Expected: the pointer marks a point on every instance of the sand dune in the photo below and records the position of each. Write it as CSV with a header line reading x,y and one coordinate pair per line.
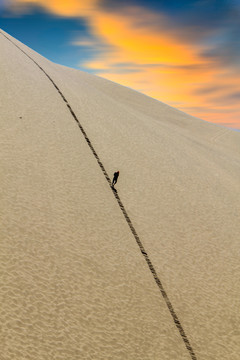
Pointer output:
x,y
74,282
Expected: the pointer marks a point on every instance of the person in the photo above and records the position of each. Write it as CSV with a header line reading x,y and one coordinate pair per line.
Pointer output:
x,y
115,178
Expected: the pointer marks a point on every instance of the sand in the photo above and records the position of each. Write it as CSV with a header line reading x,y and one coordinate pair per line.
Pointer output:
x,y
74,283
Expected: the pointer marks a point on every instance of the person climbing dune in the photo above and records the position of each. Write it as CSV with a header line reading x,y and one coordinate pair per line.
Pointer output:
x,y
115,178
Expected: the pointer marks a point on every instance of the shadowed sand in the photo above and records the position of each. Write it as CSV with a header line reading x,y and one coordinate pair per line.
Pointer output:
x,y
74,282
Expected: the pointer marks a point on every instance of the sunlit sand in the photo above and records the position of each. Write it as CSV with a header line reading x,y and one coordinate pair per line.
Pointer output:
x,y
75,283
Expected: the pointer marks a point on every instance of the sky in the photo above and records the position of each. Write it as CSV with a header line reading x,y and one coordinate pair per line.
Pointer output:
x,y
183,53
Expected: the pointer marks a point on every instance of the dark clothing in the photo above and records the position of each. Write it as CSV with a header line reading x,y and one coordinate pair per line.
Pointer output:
x,y
115,178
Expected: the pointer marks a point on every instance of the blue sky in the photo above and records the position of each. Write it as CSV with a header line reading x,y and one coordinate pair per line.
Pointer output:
x,y
49,35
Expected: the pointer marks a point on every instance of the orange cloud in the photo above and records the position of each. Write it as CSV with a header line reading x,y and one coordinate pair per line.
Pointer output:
x,y
141,44
162,65
62,7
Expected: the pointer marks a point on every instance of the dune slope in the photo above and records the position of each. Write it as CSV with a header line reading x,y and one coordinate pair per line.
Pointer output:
x,y
74,282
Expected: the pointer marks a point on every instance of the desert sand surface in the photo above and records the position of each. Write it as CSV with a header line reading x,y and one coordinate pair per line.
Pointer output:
x,y
74,283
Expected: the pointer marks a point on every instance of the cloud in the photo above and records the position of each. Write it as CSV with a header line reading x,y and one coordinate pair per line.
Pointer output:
x,y
179,73
2,4
132,41
161,58
226,52
231,98
67,8
213,25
